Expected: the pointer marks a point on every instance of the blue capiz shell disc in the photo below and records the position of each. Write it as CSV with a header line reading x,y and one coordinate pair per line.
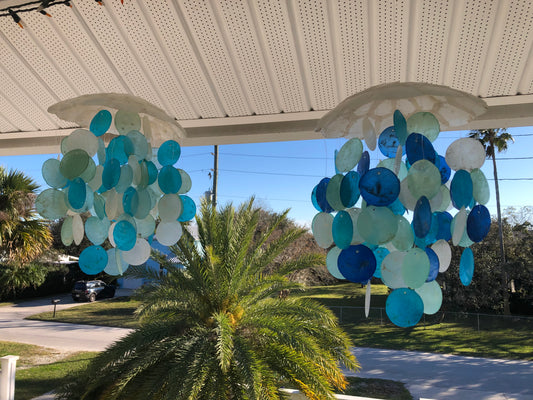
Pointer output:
x,y
357,263
379,187
418,147
404,307
422,217
466,266
478,223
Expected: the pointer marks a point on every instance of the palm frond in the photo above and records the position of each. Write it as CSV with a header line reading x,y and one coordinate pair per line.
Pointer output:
x,y
215,328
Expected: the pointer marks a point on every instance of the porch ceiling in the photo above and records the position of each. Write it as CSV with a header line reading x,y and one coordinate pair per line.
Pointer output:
x,y
239,71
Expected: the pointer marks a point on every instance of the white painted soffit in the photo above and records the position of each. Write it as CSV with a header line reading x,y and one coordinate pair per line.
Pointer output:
x,y
240,71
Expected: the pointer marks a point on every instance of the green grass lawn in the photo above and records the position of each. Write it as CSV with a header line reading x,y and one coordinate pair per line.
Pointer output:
x,y
40,370
497,338
117,312
377,389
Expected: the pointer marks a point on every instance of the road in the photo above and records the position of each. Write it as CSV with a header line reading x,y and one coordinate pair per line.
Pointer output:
x,y
428,376
62,336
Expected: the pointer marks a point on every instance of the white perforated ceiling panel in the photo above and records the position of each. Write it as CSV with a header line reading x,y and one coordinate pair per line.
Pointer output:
x,y
433,20
472,44
513,49
85,50
312,23
136,24
238,70
187,68
237,25
277,29
353,27
215,54
111,37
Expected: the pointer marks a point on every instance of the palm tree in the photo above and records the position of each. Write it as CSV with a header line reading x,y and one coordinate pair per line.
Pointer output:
x,y
23,237
492,140
216,327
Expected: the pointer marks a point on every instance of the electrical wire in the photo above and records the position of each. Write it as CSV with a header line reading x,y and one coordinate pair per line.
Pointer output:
x,y
20,7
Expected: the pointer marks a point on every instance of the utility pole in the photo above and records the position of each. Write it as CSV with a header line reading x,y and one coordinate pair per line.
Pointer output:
x,y
215,177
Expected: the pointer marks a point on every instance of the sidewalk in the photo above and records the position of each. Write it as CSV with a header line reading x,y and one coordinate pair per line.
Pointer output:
x,y
444,376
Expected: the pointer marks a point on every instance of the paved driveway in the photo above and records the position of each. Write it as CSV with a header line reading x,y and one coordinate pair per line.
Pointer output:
x,y
66,337
442,376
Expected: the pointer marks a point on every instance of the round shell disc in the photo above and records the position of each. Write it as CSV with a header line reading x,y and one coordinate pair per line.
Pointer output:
x,y
404,307
322,229
465,153
349,155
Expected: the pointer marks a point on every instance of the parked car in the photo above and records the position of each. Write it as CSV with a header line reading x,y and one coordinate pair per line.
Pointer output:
x,y
92,290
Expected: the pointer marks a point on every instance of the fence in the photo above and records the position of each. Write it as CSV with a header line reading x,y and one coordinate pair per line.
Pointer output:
x,y
475,321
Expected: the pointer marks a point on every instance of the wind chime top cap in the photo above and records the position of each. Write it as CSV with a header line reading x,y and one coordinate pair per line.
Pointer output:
x,y
453,108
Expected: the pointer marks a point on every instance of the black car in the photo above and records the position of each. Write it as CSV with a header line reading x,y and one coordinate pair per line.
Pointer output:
x,y
92,290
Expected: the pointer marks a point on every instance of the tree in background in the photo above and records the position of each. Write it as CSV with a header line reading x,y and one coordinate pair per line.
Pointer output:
x,y
304,244
23,236
497,140
217,329
484,293
19,277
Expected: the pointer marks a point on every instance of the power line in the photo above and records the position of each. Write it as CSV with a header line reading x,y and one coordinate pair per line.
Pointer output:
x,y
270,173
272,156
320,176
196,155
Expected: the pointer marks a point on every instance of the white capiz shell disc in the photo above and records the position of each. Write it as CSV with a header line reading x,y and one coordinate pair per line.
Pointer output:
x,y
96,182
460,226
169,207
445,200
147,130
113,202
80,139
145,226
115,264
369,134
431,295
136,168
406,197
367,299
436,201
139,254
332,262
186,182
110,234
391,270
321,226
78,229
465,153
168,233
125,179
444,253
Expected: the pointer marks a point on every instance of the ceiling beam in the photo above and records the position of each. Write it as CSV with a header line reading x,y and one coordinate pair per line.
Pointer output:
x,y
503,112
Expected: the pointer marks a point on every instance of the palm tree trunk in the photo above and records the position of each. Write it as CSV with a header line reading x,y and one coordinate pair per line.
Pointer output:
x,y
505,292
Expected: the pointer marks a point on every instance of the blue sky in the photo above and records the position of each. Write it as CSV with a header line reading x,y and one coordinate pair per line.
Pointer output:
x,y
281,175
